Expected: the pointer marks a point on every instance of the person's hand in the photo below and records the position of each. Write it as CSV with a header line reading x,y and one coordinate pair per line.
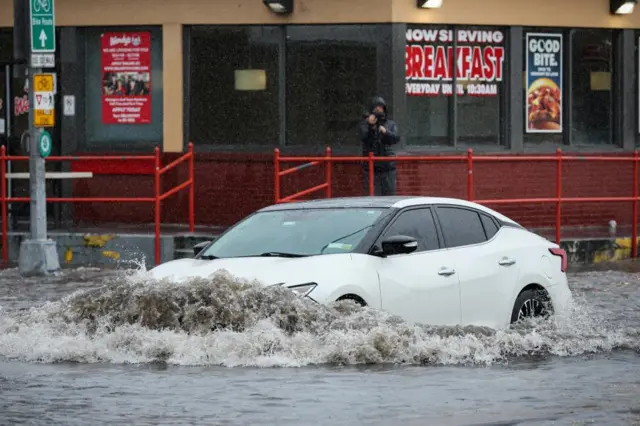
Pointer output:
x,y
383,130
372,119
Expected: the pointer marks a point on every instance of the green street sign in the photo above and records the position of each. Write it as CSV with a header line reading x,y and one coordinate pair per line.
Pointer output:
x,y
43,26
44,144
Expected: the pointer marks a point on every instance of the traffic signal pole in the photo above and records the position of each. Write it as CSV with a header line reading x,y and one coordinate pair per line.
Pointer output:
x,y
38,254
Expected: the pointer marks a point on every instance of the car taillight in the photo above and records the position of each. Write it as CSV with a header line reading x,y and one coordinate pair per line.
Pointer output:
x,y
563,254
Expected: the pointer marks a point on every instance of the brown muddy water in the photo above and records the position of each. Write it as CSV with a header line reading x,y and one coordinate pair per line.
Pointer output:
x,y
94,347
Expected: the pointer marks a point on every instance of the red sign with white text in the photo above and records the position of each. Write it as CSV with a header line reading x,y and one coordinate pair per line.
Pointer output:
x,y
429,62
126,78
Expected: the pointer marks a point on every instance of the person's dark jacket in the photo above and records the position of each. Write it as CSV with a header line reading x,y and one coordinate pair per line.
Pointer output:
x,y
374,141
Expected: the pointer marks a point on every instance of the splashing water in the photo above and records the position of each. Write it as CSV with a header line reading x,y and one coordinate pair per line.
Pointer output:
x,y
225,321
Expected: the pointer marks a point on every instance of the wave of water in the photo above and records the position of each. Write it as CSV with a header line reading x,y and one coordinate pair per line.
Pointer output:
x,y
226,321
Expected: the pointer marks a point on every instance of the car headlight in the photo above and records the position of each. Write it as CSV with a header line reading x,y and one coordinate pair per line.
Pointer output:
x,y
303,290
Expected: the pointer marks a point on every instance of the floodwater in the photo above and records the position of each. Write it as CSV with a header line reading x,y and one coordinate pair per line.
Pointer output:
x,y
92,347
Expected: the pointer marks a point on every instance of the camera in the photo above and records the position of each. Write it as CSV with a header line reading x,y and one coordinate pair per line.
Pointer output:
x,y
379,115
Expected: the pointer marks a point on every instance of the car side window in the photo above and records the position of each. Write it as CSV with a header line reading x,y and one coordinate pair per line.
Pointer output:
x,y
490,227
461,227
419,224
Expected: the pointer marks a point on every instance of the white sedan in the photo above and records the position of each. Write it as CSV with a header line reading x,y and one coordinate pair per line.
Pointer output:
x,y
436,261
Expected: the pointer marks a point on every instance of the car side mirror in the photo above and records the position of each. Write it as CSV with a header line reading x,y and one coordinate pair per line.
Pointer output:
x,y
200,246
399,244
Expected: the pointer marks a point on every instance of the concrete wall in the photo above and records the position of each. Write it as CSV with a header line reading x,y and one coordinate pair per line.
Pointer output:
x,y
594,13
76,249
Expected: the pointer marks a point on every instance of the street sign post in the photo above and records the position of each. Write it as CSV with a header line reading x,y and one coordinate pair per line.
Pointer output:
x,y
39,254
43,33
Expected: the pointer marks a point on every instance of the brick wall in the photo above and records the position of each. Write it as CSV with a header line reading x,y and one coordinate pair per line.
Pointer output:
x,y
230,186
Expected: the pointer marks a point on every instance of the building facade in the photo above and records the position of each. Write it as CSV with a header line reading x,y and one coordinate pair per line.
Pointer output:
x,y
238,81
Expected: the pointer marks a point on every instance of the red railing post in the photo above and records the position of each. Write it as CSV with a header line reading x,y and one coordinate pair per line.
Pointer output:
x,y
558,194
371,175
192,190
634,215
470,174
3,189
276,175
328,170
157,204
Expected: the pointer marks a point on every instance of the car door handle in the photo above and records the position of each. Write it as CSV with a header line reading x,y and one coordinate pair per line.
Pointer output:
x,y
506,262
446,272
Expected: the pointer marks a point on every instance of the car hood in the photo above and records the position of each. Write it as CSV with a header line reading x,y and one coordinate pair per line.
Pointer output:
x,y
266,270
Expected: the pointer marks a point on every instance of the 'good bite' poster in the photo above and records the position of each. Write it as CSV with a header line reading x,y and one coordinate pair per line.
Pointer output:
x,y
543,104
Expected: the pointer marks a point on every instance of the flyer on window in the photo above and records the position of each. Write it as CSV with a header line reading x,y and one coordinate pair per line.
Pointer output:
x,y
543,106
126,78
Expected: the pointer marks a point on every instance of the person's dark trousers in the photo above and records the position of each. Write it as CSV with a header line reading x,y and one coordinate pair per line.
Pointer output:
x,y
384,182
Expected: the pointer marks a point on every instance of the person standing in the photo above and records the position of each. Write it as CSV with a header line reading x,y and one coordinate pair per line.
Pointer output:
x,y
378,134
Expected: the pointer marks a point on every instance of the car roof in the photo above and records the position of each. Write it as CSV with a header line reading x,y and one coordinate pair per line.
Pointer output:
x,y
395,201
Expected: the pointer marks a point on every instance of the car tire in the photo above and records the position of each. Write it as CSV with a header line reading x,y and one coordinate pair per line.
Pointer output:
x,y
354,297
531,303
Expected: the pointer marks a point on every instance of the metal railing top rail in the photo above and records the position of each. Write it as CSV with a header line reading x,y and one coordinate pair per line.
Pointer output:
x,y
156,199
559,158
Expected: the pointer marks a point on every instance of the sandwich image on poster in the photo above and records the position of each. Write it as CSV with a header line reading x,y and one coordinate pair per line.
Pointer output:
x,y
544,83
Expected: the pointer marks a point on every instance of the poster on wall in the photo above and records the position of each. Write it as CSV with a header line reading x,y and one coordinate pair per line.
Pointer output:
x,y
543,73
126,78
429,62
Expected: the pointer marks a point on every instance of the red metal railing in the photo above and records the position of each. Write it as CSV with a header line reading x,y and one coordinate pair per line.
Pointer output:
x,y
157,198
470,159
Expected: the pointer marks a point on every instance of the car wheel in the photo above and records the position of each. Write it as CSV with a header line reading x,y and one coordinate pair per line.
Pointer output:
x,y
353,297
531,303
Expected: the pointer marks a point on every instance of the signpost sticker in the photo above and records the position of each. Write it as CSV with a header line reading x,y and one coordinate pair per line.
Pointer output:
x,y
43,26
44,144
43,99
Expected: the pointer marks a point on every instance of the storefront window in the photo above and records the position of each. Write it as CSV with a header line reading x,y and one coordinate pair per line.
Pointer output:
x,y
123,85
480,75
332,73
233,85
6,45
591,81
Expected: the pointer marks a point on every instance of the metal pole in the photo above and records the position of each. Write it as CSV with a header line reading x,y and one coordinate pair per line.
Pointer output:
x,y
558,194
157,206
634,212
38,255
276,174
9,124
192,190
37,188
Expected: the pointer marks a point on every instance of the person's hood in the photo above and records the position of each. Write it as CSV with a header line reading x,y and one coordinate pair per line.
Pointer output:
x,y
378,101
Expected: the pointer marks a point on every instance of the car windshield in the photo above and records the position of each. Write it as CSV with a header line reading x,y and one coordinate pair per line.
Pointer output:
x,y
303,232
